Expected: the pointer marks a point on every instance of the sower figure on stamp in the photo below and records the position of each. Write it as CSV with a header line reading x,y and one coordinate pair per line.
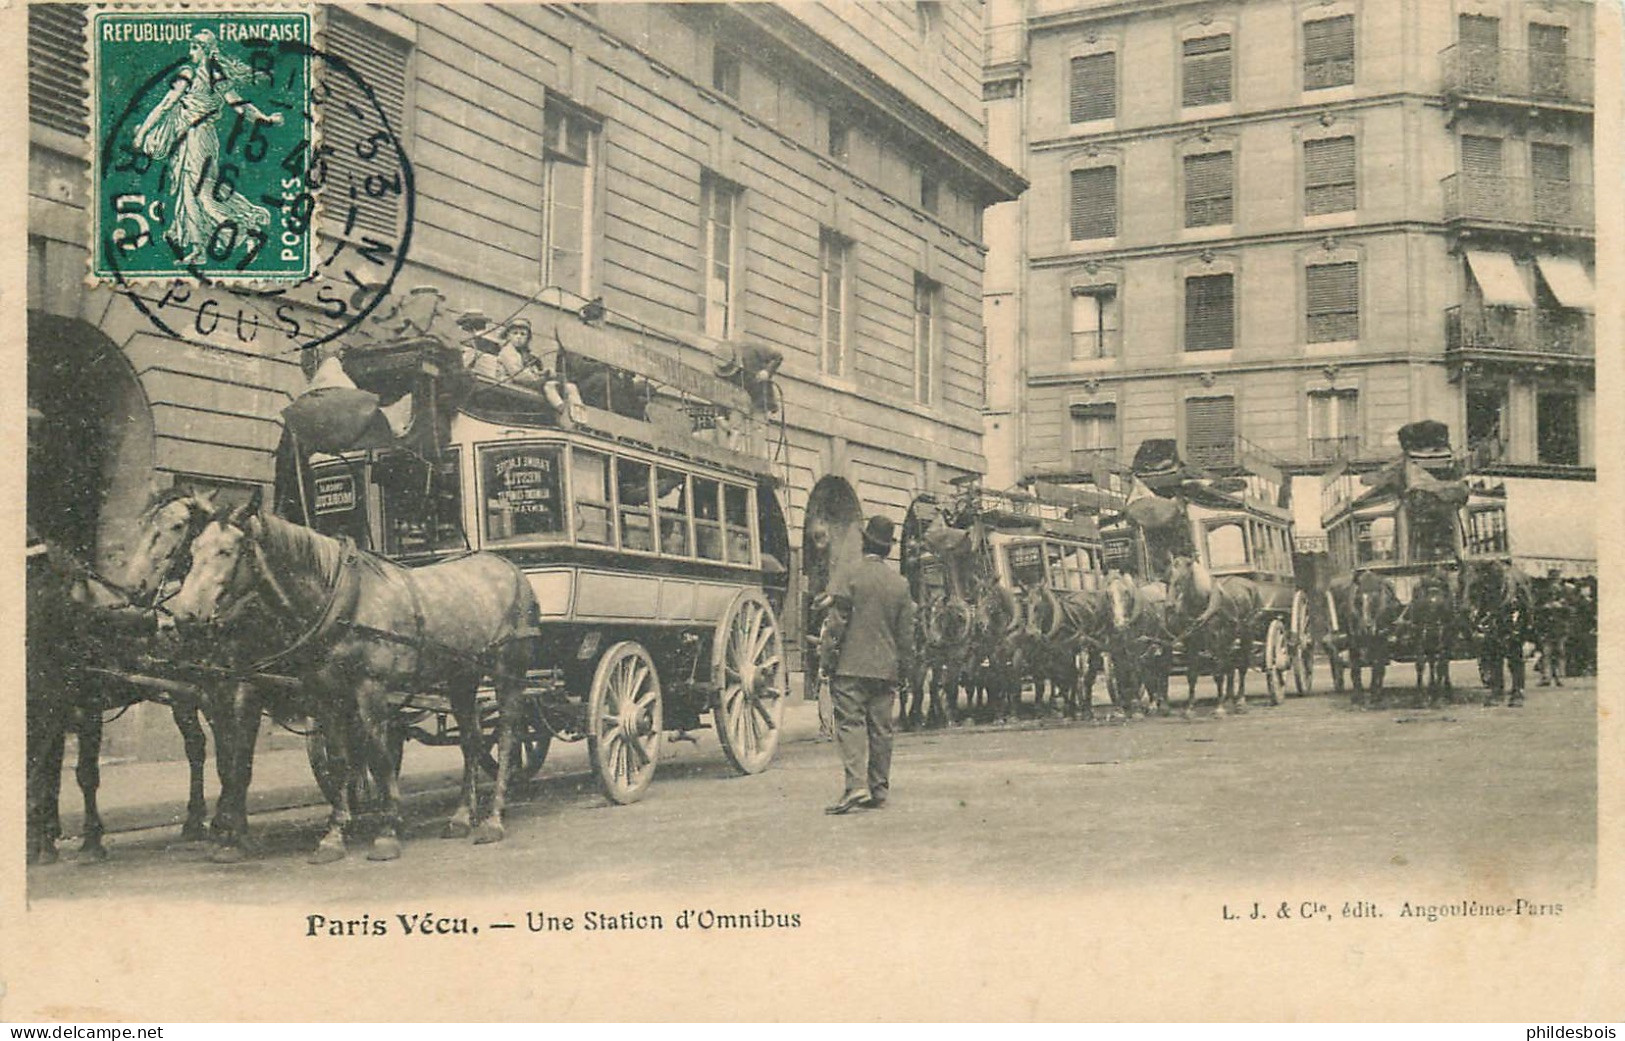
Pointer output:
x,y
868,648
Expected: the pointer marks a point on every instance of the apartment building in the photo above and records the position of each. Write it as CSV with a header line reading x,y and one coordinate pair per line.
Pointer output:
x,y
1288,228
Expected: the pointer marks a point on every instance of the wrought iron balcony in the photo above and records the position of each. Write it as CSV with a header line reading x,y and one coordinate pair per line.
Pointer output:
x,y
1507,74
1531,331
1518,201
1328,449
1211,456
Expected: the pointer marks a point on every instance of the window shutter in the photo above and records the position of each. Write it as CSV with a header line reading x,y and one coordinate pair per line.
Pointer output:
x,y
1094,203
1549,162
1094,87
1481,156
56,68
1210,315
1207,70
1207,189
1210,431
1550,40
1328,52
1480,32
1550,166
1333,292
379,59
1328,175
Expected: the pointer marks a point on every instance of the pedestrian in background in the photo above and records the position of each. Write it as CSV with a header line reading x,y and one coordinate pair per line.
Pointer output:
x,y
867,650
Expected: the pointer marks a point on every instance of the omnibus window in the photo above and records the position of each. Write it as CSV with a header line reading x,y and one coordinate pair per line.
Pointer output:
x,y
589,487
632,488
422,504
1432,535
1226,545
1487,531
707,518
671,506
522,494
1026,563
1374,540
736,515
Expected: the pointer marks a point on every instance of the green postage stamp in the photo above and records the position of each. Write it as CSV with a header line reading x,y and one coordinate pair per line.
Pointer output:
x,y
203,137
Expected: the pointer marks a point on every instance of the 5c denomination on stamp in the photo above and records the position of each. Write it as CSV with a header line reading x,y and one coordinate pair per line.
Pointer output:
x,y
204,133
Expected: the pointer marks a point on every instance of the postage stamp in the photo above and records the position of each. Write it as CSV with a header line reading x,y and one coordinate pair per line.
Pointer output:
x,y
203,132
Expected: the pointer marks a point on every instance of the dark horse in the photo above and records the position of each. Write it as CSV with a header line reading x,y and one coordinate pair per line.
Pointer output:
x,y
1430,629
1500,609
77,619
1370,610
370,629
1215,619
1064,640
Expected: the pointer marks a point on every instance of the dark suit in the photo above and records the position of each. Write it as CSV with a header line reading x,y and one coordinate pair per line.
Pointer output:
x,y
876,650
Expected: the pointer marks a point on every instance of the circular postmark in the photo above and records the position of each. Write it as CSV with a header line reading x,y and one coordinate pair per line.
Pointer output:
x,y
249,188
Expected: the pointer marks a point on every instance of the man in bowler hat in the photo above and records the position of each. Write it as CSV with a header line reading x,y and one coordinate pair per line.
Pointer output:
x,y
868,650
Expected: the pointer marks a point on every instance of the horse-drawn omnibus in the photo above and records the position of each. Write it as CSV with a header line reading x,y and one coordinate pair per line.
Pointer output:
x,y
1418,525
1236,525
636,494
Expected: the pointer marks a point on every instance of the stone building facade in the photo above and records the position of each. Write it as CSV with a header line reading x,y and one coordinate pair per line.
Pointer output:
x,y
1290,228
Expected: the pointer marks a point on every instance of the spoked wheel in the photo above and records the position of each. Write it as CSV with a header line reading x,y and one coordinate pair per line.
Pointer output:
x,y
624,721
1276,660
1302,646
535,738
748,663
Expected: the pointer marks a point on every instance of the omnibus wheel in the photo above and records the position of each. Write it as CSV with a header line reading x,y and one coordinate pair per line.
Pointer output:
x,y
624,721
1276,660
535,739
747,659
1302,646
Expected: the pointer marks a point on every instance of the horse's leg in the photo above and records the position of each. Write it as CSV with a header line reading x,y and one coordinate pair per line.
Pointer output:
x,y
47,738
241,729
1243,661
1379,668
1514,659
465,708
197,808
89,773
1086,685
510,684
373,716
338,741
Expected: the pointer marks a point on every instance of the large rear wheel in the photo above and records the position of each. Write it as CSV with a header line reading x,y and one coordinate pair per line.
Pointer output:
x,y
1276,660
748,662
624,721
1302,646
535,738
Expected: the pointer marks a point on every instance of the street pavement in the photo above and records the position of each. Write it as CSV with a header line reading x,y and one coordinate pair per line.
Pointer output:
x,y
1402,795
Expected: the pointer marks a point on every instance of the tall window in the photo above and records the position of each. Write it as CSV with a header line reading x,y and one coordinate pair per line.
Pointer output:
x,y
1094,203
1334,424
840,138
930,192
1557,428
719,214
1333,294
1548,60
1094,322
1094,435
725,72
56,67
1210,431
1207,70
567,140
1094,87
1484,191
1549,169
927,319
1486,420
833,256
1479,42
1328,176
383,57
1209,189
1328,52
1210,312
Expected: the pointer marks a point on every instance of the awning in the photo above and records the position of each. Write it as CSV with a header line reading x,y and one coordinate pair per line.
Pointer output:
x,y
1567,279
1498,279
